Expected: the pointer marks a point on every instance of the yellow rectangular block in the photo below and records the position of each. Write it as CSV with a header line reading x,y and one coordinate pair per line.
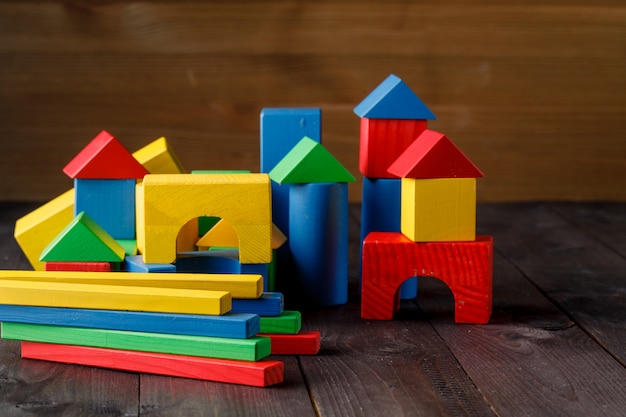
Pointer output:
x,y
239,285
113,297
36,229
166,203
158,158
438,210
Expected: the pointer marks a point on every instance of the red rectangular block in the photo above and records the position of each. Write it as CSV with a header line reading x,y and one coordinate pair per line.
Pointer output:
x,y
303,343
260,374
79,266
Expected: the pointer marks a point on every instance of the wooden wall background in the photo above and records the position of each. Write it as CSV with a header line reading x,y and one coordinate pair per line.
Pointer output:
x,y
533,91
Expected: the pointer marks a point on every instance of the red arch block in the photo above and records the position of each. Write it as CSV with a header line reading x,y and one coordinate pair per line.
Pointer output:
x,y
389,258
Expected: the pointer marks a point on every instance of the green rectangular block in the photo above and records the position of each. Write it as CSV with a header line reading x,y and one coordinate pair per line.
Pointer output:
x,y
289,322
251,349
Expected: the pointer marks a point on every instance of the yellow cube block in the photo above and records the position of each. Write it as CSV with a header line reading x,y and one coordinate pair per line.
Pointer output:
x,y
438,210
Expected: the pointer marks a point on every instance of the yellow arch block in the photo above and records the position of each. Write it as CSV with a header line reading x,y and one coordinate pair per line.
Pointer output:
x,y
165,203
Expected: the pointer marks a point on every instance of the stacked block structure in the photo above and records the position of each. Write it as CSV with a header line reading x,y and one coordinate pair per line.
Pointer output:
x,y
418,209
128,280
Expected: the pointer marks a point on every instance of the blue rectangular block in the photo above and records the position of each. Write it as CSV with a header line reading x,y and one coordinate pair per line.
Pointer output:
x,y
232,325
110,203
135,263
270,304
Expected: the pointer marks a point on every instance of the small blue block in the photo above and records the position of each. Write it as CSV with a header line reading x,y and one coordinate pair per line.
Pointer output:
x,y
135,263
270,304
110,203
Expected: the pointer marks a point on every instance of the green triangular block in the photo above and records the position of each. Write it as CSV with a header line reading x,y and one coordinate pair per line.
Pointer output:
x,y
83,240
309,162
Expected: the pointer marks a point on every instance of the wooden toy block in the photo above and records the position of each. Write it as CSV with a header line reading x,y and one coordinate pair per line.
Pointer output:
x,y
110,203
135,263
289,322
281,129
466,268
242,200
105,158
233,325
80,266
262,373
83,240
188,236
159,158
268,304
34,231
309,162
209,262
318,224
240,285
129,245
113,297
303,343
393,99
250,349
221,234
380,212
382,141
433,155
438,210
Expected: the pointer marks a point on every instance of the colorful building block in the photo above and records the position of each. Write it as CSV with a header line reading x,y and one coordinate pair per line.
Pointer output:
x,y
104,158
303,343
110,203
289,322
34,231
382,141
129,245
239,285
83,240
135,263
380,212
438,210
268,304
250,349
243,200
393,99
222,234
113,297
309,162
82,266
466,268
262,373
433,155
318,224
159,158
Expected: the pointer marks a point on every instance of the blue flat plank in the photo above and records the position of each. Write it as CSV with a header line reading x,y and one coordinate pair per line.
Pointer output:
x,y
232,325
270,304
135,263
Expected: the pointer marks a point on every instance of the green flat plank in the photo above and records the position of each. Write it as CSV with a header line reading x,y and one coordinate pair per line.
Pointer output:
x,y
252,349
289,322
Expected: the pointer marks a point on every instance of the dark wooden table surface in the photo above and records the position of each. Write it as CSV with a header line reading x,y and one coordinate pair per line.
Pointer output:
x,y
555,346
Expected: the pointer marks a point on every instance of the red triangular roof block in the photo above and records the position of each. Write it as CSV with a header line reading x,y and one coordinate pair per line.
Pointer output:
x,y
433,155
105,158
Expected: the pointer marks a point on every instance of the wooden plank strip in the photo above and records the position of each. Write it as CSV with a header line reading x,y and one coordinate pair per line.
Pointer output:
x,y
114,297
304,343
240,285
260,374
531,359
233,325
251,349
269,304
570,266
289,322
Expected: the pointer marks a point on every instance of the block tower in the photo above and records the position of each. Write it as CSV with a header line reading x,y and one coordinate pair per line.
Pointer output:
x,y
392,116
437,219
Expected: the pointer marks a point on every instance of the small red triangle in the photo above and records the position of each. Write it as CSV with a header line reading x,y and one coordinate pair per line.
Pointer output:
x,y
105,158
433,155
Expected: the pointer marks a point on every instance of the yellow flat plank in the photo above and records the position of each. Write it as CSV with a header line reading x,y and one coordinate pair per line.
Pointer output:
x,y
114,297
239,285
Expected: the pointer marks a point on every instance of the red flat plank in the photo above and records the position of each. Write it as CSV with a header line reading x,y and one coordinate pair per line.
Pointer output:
x,y
303,343
78,266
260,374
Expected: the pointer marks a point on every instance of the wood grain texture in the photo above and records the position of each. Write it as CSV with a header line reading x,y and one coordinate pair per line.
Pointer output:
x,y
534,93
